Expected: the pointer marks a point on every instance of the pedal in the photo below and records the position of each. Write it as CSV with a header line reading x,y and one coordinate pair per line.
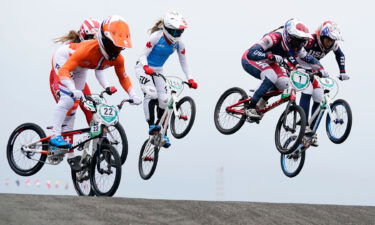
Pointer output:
x,y
75,163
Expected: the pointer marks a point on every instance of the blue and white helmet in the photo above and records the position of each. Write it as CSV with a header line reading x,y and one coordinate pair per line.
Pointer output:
x,y
295,35
328,29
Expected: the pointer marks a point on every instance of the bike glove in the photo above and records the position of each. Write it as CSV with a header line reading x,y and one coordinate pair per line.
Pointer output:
x,y
323,72
148,70
275,58
136,100
78,95
343,76
192,84
111,90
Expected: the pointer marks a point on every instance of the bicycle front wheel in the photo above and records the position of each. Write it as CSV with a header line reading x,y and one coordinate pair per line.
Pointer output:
x,y
291,123
338,128
81,182
22,162
229,122
181,126
292,164
117,137
148,159
105,171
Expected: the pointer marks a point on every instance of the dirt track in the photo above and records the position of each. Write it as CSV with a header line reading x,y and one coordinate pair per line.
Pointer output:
x,y
39,209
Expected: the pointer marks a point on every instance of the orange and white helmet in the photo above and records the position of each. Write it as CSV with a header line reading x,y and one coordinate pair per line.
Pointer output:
x,y
88,29
113,37
173,26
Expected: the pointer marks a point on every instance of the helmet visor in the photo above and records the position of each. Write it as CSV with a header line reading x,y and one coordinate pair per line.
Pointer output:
x,y
297,43
112,50
174,32
89,37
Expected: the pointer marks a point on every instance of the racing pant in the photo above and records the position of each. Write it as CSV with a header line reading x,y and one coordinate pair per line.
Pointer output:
x,y
155,93
271,74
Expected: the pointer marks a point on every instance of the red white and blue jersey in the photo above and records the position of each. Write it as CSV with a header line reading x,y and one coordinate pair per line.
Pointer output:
x,y
313,48
272,43
158,49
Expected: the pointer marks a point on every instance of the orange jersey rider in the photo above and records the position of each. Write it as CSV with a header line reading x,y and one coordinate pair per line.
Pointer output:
x,y
113,37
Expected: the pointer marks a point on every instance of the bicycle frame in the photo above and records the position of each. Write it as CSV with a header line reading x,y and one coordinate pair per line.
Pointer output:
x,y
325,105
64,134
165,119
291,97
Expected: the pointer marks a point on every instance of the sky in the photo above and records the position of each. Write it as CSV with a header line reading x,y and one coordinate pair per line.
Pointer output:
x,y
205,165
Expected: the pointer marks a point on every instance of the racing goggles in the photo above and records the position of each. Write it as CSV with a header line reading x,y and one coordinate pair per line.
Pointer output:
x,y
174,32
297,43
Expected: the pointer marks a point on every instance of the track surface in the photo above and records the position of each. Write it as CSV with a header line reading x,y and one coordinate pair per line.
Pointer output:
x,y
40,209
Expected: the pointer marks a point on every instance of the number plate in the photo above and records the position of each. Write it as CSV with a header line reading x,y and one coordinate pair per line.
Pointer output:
x,y
300,80
108,113
95,129
327,82
175,84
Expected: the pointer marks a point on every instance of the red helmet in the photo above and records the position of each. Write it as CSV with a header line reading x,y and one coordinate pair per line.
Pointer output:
x,y
88,29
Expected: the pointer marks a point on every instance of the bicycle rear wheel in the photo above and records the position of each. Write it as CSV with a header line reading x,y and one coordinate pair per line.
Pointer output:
x,y
22,162
148,159
292,164
291,123
227,122
105,171
338,128
181,126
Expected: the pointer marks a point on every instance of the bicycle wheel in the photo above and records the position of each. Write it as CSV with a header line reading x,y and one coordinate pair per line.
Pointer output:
x,y
81,182
180,127
292,164
118,139
148,159
338,128
26,163
291,123
105,169
229,122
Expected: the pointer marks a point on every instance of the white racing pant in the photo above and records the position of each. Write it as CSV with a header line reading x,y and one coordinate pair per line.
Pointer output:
x,y
153,87
64,114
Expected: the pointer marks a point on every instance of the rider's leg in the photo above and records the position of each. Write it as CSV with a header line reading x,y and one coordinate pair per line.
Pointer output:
x,y
62,107
65,103
54,86
305,101
88,113
150,95
161,88
318,95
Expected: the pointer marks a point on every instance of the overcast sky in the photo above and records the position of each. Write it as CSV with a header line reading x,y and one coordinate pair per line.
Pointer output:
x,y
218,34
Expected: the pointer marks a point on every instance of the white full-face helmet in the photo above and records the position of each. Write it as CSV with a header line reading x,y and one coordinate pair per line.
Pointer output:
x,y
295,35
173,26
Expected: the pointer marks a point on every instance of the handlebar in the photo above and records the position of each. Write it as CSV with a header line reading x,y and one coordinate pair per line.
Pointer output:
x,y
165,79
119,106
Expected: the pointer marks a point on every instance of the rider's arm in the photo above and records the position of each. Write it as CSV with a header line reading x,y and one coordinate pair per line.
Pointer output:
x,y
69,66
102,78
312,61
258,51
154,38
182,57
340,58
123,78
